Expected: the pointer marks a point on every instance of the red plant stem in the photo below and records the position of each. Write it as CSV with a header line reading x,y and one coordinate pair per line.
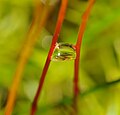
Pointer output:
x,y
54,40
78,46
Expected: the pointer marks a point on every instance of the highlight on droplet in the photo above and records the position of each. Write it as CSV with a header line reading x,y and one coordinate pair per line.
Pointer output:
x,y
63,52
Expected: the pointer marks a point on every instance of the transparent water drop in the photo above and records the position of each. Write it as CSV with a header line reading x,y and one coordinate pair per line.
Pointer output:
x,y
63,52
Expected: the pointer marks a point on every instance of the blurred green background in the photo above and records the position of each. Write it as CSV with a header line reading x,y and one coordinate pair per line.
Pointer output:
x,y
99,67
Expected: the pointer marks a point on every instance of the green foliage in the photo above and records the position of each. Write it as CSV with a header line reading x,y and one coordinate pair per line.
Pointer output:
x,y
100,59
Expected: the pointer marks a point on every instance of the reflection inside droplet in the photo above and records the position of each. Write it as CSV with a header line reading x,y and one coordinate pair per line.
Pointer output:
x,y
63,51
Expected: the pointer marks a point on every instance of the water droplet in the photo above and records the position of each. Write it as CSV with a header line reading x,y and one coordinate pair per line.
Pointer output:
x,y
63,51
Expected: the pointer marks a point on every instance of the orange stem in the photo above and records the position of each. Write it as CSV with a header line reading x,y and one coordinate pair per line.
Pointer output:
x,y
32,36
78,48
46,66
78,45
